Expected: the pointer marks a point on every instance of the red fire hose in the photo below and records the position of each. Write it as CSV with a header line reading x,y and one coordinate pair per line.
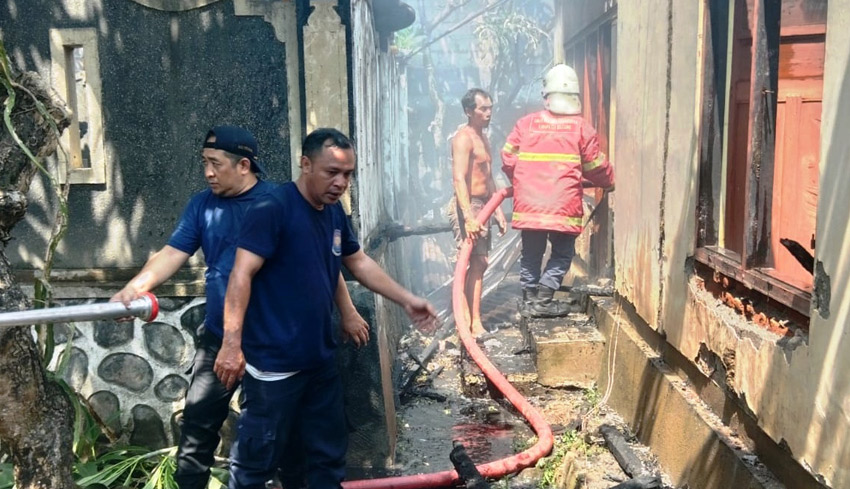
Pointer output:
x,y
497,468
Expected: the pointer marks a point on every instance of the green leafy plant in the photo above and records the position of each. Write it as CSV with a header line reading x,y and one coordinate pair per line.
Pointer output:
x,y
408,39
592,396
523,444
512,38
136,468
569,442
132,467
7,476
549,466
508,30
503,483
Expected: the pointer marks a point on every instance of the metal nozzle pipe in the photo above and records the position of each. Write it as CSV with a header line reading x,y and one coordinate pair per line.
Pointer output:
x,y
145,307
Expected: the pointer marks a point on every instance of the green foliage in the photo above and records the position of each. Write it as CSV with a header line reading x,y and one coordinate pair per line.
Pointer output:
x,y
549,466
408,39
592,396
127,467
7,476
512,44
503,483
136,468
569,442
523,444
131,467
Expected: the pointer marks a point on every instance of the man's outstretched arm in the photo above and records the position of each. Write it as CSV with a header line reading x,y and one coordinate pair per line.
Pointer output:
x,y
370,274
159,268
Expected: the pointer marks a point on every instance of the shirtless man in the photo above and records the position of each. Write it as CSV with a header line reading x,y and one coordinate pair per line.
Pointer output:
x,y
473,185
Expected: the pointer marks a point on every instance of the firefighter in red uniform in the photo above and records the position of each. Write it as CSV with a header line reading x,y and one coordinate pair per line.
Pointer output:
x,y
547,156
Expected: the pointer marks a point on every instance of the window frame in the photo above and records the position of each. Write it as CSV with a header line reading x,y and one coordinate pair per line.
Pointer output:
x,y
62,44
750,267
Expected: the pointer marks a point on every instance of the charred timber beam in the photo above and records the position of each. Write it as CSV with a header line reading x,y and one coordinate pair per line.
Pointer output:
x,y
387,233
466,469
762,132
642,482
422,361
621,450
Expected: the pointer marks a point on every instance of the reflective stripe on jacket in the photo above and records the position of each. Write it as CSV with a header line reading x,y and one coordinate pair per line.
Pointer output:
x,y
546,156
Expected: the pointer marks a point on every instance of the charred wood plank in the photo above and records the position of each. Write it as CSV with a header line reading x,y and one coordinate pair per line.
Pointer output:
x,y
466,469
621,450
758,183
642,482
426,394
800,253
386,233
426,355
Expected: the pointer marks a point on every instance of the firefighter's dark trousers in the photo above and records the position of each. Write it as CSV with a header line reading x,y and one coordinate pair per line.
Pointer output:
x,y
533,249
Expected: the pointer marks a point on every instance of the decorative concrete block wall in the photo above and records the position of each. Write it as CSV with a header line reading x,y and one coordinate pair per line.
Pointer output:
x,y
135,374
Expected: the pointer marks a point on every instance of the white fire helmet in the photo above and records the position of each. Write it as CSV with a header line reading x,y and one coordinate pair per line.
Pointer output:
x,y
560,79
560,91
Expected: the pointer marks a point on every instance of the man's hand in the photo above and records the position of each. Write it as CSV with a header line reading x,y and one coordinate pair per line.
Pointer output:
x,y
125,296
472,228
159,267
229,364
354,328
422,313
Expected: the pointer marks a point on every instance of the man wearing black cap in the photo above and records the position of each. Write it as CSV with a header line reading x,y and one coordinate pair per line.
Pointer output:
x,y
212,221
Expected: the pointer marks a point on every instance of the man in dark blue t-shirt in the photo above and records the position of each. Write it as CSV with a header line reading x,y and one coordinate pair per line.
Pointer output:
x,y
212,221
289,254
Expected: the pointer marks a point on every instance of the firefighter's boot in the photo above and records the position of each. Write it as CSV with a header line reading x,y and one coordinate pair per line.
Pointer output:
x,y
546,306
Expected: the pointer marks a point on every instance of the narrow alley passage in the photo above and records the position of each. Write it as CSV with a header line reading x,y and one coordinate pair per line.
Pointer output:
x,y
451,402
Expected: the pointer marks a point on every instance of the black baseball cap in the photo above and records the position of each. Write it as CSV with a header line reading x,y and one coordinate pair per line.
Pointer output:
x,y
235,140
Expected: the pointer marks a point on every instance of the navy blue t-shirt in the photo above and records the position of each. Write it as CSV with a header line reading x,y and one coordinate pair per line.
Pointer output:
x,y
288,323
212,223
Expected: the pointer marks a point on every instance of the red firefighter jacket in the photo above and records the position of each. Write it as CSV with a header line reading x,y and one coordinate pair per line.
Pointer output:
x,y
546,156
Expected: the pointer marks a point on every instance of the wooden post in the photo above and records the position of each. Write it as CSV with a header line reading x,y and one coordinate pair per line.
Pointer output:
x,y
761,132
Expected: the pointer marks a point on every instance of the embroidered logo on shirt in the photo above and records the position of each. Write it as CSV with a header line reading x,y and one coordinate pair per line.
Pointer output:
x,y
336,249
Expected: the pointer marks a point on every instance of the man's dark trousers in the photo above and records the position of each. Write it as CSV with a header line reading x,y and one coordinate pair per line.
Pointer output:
x,y
207,407
560,258
308,404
